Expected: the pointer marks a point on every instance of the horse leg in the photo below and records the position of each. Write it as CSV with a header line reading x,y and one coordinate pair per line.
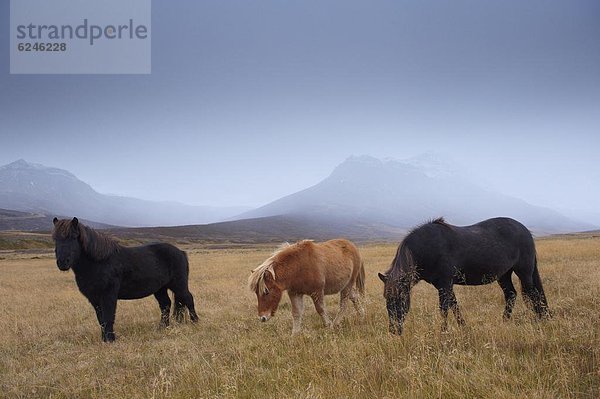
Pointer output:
x,y
108,306
510,293
317,298
444,303
164,302
456,310
344,297
448,300
183,299
98,310
179,309
188,301
531,294
297,301
355,298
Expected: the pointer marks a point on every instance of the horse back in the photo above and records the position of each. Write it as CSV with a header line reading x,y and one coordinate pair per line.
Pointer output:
x,y
475,254
312,267
148,268
501,234
169,254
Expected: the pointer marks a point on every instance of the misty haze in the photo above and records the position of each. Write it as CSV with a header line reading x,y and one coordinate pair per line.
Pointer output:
x,y
361,191
262,110
250,118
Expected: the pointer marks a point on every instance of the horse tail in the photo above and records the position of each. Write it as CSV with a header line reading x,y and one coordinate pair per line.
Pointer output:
x,y
537,283
360,279
186,263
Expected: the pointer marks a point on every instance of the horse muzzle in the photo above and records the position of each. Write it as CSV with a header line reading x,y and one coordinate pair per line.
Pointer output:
x,y
264,318
64,266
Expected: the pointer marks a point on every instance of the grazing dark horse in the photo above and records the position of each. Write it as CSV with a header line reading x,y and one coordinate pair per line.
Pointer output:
x,y
106,271
444,255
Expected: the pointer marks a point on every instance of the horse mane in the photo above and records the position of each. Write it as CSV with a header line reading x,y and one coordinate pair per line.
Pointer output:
x,y
403,263
406,264
440,221
96,245
256,280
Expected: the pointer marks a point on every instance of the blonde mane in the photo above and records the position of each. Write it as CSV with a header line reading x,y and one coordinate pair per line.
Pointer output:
x,y
257,277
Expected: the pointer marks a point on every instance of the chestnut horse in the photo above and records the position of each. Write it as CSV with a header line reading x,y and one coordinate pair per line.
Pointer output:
x,y
308,268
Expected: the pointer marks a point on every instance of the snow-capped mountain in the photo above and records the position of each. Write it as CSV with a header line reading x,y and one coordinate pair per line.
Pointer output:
x,y
404,193
36,188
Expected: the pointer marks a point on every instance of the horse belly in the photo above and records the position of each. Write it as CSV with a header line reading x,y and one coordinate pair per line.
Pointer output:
x,y
140,288
337,279
475,280
478,276
334,288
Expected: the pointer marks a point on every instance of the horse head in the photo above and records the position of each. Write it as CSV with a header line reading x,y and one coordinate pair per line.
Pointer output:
x,y
396,292
268,297
66,239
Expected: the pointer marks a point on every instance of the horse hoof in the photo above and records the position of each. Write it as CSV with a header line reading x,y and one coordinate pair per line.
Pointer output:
x,y
395,332
545,315
109,338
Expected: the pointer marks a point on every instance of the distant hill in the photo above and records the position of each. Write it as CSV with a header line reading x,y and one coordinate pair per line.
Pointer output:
x,y
364,198
27,221
50,191
405,193
268,229
274,229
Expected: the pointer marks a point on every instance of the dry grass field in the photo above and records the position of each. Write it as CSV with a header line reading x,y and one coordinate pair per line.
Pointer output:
x,y
50,343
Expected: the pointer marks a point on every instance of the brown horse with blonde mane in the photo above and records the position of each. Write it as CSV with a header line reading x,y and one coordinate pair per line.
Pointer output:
x,y
309,268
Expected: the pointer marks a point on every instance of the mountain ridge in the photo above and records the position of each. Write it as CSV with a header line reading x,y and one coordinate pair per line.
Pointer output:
x,y
29,187
402,194
381,196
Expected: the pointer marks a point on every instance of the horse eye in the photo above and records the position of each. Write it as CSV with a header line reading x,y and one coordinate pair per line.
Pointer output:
x,y
266,291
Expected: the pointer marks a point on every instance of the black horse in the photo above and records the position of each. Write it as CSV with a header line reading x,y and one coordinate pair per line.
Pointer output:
x,y
444,255
106,271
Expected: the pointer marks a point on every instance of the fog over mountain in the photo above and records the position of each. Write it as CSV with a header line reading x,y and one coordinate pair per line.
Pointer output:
x,y
249,101
361,194
409,192
36,188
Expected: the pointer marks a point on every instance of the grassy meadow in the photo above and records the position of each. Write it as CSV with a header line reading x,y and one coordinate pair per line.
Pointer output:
x,y
50,343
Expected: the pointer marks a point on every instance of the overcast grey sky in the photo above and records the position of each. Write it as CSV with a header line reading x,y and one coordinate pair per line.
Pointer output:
x,y
252,100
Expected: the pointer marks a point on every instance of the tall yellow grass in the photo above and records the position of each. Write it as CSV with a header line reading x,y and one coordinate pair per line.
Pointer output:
x,y
50,342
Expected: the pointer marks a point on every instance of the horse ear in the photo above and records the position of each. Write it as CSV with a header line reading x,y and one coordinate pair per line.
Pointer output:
x,y
54,221
75,226
382,277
